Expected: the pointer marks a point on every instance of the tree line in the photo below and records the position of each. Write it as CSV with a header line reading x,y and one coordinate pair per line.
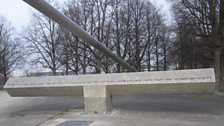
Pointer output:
x,y
199,34
10,49
136,31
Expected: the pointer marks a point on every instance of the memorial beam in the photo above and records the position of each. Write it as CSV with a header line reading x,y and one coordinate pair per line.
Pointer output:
x,y
97,89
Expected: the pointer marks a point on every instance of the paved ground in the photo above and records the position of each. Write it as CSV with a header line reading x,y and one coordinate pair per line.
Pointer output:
x,y
32,111
197,110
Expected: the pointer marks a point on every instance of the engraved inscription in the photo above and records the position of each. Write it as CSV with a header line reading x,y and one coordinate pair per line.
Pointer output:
x,y
144,80
114,79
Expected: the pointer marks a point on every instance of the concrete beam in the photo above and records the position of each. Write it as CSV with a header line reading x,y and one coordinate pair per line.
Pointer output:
x,y
65,22
98,88
138,83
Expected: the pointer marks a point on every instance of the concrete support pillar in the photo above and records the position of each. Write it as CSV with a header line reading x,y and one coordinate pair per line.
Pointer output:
x,y
97,99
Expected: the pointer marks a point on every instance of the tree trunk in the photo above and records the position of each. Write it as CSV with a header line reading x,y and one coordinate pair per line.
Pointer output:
x,y
149,59
98,65
157,55
165,62
217,67
84,59
66,69
5,78
54,72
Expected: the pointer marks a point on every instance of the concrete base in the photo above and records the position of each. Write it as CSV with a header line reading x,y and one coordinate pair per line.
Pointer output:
x,y
97,99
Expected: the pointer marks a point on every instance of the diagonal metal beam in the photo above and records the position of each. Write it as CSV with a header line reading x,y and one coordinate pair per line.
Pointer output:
x,y
65,22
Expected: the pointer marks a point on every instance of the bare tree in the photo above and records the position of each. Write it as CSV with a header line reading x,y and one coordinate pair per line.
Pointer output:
x,y
135,26
79,54
205,17
129,28
10,49
44,42
95,17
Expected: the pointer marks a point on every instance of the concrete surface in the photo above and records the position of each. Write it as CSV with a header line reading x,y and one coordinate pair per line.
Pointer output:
x,y
194,81
172,110
21,111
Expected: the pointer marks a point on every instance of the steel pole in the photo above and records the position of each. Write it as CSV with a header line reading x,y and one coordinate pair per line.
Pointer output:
x,y
65,22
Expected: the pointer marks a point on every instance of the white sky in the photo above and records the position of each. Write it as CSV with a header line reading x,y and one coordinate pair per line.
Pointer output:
x,y
15,11
19,13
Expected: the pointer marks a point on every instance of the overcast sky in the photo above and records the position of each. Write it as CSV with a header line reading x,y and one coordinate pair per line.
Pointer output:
x,y
19,13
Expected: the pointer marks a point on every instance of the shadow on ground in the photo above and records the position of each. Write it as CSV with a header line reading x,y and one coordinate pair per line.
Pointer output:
x,y
203,104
